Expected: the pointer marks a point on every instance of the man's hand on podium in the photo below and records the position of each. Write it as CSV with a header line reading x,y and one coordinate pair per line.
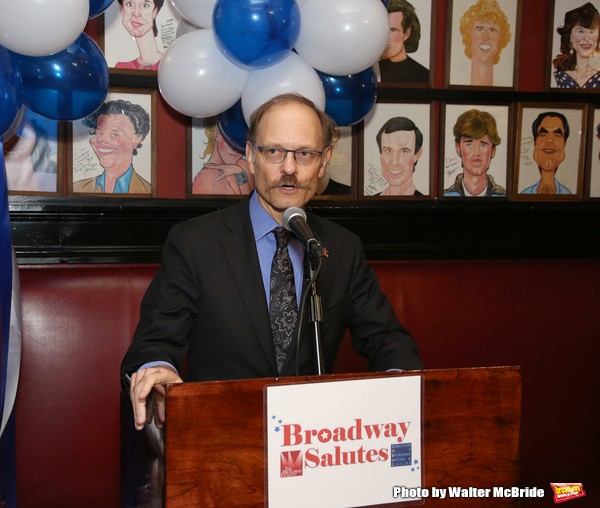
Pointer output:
x,y
144,382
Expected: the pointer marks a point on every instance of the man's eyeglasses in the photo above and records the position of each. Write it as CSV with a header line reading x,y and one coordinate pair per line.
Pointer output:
x,y
276,155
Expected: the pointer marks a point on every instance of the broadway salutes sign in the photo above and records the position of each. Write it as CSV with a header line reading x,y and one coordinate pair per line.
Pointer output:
x,y
343,443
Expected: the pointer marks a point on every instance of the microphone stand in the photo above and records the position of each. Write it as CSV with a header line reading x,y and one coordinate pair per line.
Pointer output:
x,y
316,316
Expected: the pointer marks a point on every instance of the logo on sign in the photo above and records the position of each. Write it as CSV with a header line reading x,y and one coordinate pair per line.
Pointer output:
x,y
291,463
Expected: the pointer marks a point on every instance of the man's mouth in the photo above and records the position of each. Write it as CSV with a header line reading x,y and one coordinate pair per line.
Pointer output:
x,y
549,151
105,151
485,47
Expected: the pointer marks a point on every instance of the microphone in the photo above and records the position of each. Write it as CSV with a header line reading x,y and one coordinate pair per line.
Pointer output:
x,y
294,220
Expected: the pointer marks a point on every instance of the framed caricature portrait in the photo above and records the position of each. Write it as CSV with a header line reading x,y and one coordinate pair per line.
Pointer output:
x,y
338,182
593,179
214,166
550,150
475,159
113,151
573,46
482,36
397,153
410,53
134,34
33,156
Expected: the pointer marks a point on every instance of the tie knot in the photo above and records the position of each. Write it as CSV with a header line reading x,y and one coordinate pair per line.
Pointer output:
x,y
281,235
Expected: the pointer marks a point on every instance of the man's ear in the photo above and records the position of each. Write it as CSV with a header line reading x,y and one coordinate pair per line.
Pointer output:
x,y
457,145
407,34
418,154
250,157
326,156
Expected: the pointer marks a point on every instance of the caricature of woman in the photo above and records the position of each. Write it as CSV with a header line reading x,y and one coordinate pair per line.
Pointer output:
x,y
578,44
485,33
139,19
226,171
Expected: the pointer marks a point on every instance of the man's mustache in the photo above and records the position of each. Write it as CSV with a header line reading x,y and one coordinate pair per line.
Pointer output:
x,y
290,181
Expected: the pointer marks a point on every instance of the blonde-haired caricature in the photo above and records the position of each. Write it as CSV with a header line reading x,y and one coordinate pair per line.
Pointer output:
x,y
482,43
485,33
224,169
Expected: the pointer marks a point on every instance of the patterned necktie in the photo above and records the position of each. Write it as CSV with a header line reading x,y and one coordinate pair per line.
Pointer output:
x,y
282,300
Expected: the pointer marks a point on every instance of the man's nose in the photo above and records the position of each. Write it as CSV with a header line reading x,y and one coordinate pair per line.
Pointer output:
x,y
289,165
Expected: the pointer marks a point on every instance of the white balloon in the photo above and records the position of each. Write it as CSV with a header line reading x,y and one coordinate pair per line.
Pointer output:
x,y
185,27
41,27
199,12
292,74
196,79
342,37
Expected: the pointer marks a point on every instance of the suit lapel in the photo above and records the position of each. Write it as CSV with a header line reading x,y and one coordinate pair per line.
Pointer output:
x,y
239,248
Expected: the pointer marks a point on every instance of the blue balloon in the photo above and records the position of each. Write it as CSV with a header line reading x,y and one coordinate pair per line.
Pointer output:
x,y
233,126
97,7
11,99
348,99
256,34
68,85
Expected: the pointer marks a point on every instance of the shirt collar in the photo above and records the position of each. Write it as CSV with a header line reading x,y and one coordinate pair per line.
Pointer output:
x,y
262,222
122,184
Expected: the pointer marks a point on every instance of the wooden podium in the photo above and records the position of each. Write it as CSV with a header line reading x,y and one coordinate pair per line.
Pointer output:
x,y
211,451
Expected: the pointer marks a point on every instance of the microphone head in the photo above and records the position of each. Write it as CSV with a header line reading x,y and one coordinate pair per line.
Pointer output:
x,y
289,213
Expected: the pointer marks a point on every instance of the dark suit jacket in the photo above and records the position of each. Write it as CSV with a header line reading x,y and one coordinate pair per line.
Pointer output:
x,y
207,300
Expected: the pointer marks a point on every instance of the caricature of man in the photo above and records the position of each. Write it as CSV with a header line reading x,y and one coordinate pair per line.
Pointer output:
x,y
476,138
485,33
405,32
400,145
550,134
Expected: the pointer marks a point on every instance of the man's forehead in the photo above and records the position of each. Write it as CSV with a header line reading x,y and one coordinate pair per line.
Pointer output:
x,y
551,123
405,138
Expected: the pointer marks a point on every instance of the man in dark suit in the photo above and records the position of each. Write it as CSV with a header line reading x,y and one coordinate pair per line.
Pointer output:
x,y
209,300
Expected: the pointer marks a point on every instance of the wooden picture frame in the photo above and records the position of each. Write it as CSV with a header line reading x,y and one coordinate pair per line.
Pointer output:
x,y
532,155
213,166
592,174
410,54
121,45
86,175
492,64
34,156
339,181
565,55
463,162
384,177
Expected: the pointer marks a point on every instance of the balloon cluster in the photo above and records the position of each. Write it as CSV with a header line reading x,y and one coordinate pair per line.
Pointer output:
x,y
236,54
47,63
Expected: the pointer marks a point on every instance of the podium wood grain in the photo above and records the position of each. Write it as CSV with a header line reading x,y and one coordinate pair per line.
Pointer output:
x,y
214,437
